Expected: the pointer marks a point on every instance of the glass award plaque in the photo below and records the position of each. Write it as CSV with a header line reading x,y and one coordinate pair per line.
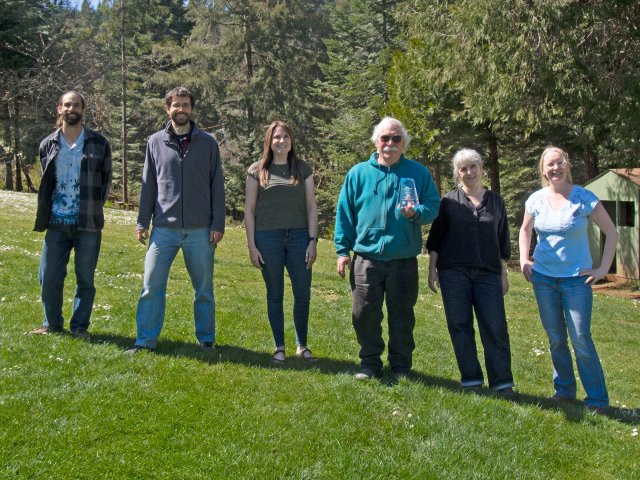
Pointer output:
x,y
408,193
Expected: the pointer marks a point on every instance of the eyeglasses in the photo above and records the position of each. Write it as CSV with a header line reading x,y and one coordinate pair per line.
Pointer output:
x,y
394,138
559,164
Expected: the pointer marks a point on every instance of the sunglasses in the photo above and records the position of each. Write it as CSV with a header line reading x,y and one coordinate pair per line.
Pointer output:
x,y
395,138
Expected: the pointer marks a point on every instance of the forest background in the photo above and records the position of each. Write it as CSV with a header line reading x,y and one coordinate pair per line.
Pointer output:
x,y
504,77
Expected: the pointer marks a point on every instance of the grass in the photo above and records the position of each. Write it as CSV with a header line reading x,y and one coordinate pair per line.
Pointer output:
x,y
70,409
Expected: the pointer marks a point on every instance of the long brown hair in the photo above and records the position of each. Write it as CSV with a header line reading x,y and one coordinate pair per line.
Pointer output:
x,y
267,154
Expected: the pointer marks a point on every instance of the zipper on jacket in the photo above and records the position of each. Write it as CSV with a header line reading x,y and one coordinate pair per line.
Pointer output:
x,y
182,184
184,156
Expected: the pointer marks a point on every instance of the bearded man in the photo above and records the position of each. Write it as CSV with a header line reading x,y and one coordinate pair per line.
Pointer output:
x,y
183,194
383,204
76,176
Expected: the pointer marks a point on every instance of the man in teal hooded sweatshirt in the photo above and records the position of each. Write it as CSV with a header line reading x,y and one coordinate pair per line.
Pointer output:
x,y
379,218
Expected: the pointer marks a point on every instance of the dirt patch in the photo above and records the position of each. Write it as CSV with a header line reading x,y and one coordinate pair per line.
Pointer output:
x,y
618,288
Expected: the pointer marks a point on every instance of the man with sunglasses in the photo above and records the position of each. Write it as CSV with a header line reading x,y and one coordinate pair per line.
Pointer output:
x,y
385,235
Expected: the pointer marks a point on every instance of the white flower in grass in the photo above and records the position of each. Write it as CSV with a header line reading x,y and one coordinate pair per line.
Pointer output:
x,y
634,432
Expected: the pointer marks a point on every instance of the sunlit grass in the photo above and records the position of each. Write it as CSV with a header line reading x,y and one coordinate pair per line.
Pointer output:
x,y
69,409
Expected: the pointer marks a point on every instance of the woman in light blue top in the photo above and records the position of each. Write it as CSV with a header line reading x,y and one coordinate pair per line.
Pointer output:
x,y
562,273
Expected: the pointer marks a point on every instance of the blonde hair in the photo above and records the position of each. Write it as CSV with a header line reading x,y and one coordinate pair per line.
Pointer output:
x,y
564,155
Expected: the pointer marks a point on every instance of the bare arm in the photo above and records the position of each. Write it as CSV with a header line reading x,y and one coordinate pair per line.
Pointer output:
x,y
505,278
524,243
215,237
433,281
142,234
344,261
601,218
251,197
312,220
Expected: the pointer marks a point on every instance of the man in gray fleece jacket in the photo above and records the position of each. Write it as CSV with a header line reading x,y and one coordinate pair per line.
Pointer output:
x,y
183,194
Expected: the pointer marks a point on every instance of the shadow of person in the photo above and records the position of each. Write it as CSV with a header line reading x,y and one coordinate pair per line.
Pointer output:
x,y
573,411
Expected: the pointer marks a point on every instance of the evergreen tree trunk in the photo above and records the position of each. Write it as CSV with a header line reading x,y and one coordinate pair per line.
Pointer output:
x,y
437,177
125,184
16,145
248,57
591,163
493,164
8,170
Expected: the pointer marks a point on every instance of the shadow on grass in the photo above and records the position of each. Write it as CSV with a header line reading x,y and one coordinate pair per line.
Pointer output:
x,y
575,411
233,354
572,410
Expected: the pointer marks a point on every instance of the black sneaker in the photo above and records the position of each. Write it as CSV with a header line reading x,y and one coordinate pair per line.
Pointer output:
x,y
562,399
596,410
472,388
506,394
82,334
399,375
207,346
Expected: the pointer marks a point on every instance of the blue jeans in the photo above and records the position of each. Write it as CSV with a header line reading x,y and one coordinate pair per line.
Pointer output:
x,y
463,291
58,243
372,283
198,253
565,306
282,248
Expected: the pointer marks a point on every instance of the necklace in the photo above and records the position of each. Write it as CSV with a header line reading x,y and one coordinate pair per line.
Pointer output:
x,y
280,169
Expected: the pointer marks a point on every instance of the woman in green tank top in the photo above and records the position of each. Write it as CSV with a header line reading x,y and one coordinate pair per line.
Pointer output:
x,y
281,221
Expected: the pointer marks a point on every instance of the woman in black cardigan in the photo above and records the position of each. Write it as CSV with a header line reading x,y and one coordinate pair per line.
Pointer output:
x,y
469,246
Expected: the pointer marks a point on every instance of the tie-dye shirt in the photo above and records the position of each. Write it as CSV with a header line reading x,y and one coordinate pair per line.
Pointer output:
x,y
65,206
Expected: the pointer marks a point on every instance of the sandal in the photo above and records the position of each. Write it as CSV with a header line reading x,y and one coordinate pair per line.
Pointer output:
x,y
278,356
305,353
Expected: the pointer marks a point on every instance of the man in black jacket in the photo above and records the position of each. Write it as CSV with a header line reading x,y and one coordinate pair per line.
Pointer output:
x,y
76,176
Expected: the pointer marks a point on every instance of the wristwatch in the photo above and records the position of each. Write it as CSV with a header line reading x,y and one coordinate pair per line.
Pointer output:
x,y
313,239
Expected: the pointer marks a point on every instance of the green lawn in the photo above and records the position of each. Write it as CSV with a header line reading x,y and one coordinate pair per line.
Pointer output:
x,y
70,409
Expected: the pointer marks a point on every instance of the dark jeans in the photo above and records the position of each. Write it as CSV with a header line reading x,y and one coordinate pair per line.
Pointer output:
x,y
463,291
373,282
58,243
282,248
